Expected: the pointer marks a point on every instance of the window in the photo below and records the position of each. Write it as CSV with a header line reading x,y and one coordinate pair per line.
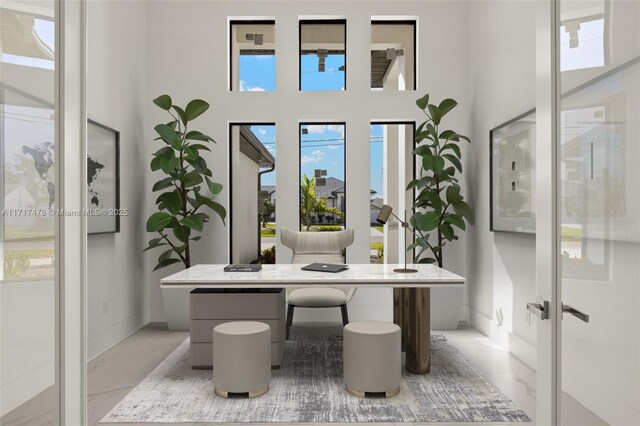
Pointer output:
x,y
253,56
323,55
393,55
391,169
582,36
322,176
252,166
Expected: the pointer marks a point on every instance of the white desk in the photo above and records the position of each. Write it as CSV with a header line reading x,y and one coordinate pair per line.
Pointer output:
x,y
415,301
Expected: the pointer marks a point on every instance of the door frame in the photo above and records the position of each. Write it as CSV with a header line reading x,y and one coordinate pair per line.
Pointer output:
x,y
547,212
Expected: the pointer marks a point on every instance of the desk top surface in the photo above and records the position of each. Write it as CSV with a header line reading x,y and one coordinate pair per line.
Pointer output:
x,y
290,275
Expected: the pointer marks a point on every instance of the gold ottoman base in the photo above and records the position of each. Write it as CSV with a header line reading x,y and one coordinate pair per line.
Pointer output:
x,y
362,394
253,394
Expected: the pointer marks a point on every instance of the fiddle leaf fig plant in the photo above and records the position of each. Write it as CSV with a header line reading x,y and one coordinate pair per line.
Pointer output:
x,y
439,207
186,187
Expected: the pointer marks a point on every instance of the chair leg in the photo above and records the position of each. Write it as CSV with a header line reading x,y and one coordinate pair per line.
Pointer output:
x,y
289,320
345,315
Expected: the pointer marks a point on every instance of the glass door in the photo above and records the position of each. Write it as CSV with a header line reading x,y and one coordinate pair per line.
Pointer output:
x,y
598,181
28,291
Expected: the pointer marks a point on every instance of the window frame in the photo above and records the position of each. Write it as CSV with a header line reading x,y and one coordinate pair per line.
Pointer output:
x,y
321,22
233,22
344,172
414,24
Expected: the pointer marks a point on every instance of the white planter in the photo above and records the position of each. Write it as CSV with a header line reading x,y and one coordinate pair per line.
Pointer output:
x,y
446,308
176,307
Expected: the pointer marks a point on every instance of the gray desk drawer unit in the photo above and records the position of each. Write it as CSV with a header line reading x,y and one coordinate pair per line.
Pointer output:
x,y
210,307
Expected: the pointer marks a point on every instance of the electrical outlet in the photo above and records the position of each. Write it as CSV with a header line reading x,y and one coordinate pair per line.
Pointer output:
x,y
105,308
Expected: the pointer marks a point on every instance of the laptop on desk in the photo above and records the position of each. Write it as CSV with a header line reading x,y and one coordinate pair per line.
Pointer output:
x,y
325,267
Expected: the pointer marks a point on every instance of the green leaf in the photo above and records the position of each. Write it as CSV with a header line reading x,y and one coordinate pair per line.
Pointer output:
x,y
163,184
166,262
420,127
169,164
449,135
173,124
199,136
155,164
446,106
170,201
423,102
455,220
435,113
181,114
182,233
190,153
196,238
434,200
427,260
168,135
163,102
191,179
423,151
455,148
428,222
418,183
453,194
167,151
454,160
195,108
214,187
199,147
463,209
155,242
218,208
447,231
194,222
158,221
199,164
422,136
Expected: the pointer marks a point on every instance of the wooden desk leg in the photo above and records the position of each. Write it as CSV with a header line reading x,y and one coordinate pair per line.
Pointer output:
x,y
418,330
398,313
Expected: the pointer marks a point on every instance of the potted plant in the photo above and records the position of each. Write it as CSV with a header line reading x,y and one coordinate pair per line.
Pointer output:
x,y
185,191
439,208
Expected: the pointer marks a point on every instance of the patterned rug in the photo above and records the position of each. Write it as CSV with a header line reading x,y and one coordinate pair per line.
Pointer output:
x,y
308,388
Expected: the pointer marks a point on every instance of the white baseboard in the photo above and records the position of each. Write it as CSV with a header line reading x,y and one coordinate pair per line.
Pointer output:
x,y
523,350
23,388
480,322
105,339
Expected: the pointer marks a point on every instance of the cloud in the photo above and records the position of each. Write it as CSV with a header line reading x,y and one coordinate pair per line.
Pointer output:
x,y
337,128
315,157
245,88
262,132
332,147
316,128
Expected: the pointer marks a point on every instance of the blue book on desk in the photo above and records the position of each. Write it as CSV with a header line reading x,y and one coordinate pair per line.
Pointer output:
x,y
243,268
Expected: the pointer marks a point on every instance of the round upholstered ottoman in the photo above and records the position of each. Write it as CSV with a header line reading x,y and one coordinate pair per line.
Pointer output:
x,y
241,359
372,358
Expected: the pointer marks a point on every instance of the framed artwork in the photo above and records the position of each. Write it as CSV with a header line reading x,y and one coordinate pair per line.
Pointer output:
x,y
512,165
103,179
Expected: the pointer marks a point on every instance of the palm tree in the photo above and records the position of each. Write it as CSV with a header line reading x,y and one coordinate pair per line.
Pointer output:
x,y
308,199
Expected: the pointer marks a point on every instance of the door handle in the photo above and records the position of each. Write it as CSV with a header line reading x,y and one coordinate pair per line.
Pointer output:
x,y
576,313
541,310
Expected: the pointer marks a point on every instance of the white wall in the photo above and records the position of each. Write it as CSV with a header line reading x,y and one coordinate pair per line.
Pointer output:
x,y
502,81
197,39
117,97
245,203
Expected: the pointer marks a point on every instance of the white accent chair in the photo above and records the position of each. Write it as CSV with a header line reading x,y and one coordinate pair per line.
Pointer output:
x,y
317,247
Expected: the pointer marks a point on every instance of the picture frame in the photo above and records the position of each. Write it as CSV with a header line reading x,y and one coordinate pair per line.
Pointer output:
x,y
512,175
103,179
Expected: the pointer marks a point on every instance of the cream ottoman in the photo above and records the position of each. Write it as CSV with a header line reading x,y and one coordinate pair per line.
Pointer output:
x,y
241,359
372,358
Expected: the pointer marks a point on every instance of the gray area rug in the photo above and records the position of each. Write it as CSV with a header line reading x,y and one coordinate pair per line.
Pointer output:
x,y
308,388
